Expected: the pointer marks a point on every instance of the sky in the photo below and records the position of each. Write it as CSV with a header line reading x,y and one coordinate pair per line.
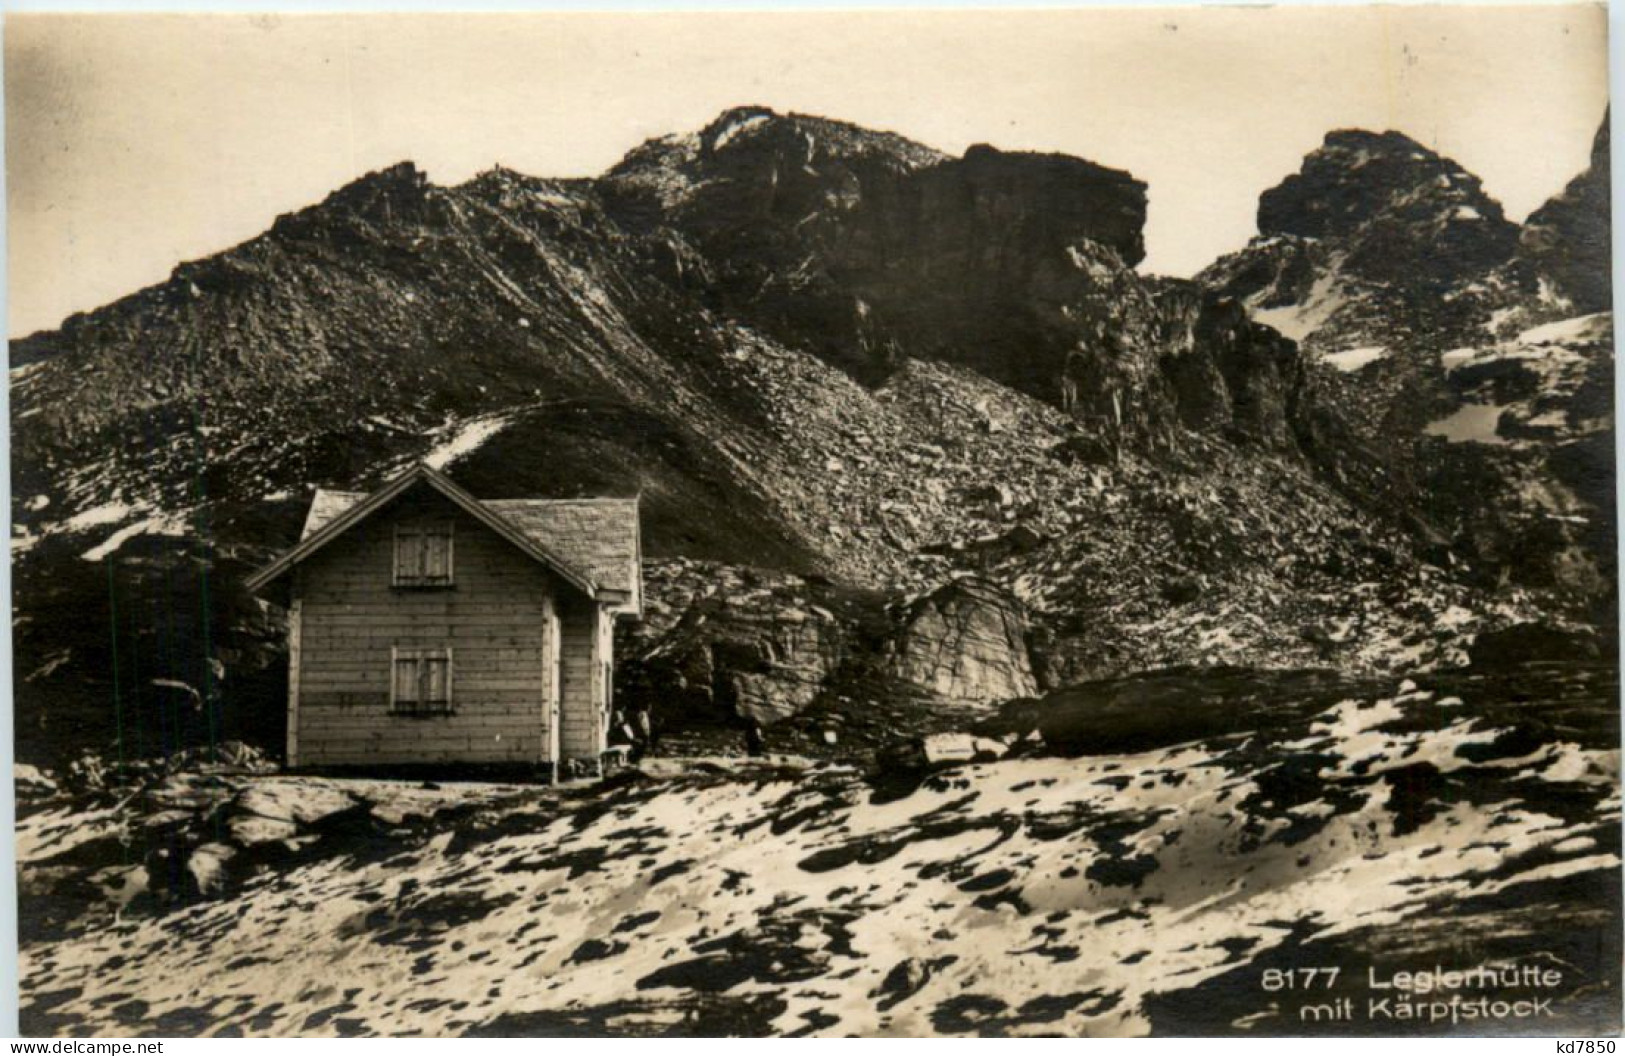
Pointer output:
x,y
135,142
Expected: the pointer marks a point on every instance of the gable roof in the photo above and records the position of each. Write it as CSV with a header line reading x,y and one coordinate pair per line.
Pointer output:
x,y
592,543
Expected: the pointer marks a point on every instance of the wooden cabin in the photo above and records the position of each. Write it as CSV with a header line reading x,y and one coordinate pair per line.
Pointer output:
x,y
426,626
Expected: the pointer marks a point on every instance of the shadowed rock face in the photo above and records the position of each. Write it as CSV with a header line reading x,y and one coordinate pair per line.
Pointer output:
x,y
1375,242
756,659
1423,310
1570,238
868,249
765,649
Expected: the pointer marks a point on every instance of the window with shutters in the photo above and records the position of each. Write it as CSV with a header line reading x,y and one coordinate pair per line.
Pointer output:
x,y
421,682
423,555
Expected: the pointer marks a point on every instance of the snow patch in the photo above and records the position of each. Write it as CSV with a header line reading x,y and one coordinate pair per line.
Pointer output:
x,y
1499,318
468,438
163,524
96,516
728,134
1298,321
1582,329
1350,360
1472,423
22,540
1456,357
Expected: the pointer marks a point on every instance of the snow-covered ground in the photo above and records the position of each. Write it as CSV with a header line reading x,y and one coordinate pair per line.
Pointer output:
x,y
1032,895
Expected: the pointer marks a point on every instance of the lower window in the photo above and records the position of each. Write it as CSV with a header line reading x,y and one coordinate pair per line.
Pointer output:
x,y
421,684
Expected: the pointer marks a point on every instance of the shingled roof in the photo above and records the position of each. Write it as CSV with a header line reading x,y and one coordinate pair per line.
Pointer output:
x,y
598,536
595,539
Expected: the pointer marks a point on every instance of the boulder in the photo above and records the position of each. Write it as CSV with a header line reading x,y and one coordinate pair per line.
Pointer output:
x,y
966,640
273,809
761,656
209,866
1525,643
939,750
31,782
1156,709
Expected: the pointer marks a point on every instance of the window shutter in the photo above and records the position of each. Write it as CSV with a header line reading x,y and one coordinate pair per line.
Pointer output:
x,y
439,682
435,566
406,680
423,555
408,553
421,681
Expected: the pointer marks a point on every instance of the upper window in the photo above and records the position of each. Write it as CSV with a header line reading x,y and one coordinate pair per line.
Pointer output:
x,y
423,555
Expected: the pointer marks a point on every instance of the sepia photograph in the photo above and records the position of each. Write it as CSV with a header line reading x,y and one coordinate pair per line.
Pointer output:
x,y
1071,522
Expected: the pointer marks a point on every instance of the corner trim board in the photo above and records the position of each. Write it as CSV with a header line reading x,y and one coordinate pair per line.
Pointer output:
x,y
295,629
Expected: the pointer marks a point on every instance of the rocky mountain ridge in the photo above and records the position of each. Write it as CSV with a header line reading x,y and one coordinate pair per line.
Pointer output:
x,y
876,369
1391,266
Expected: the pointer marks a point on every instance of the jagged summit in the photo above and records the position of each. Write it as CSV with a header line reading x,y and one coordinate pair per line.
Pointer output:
x,y
1374,238
821,135
1424,308
1405,205
395,191
763,126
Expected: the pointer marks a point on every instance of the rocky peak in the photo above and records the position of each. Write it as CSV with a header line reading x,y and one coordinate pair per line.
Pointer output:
x,y
398,194
670,329
1568,240
820,137
1356,177
1063,197
1373,241
1401,212
750,159
730,123
867,249
382,192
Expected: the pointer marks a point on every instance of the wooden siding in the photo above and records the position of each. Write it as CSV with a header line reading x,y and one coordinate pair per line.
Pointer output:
x,y
581,737
494,620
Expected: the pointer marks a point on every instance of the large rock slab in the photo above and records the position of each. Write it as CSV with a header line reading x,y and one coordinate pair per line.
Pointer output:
x,y
762,650
966,640
275,809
